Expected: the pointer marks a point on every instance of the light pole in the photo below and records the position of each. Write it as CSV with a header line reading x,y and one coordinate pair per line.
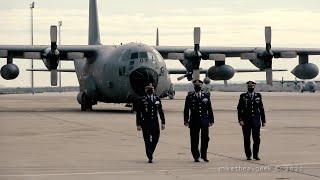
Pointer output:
x,y
60,24
31,8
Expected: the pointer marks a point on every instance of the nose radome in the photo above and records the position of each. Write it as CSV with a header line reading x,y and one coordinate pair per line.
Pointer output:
x,y
141,77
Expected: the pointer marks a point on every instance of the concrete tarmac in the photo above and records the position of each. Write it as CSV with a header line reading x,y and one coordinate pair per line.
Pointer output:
x,y
46,136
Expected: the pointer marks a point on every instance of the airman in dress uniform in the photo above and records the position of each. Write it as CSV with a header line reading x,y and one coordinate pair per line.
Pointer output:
x,y
251,117
147,120
201,118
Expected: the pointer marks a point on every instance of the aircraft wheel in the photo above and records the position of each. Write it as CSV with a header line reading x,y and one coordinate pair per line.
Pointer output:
x,y
85,103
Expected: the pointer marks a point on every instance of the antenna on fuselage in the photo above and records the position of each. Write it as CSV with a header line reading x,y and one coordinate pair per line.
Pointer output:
x,y
157,38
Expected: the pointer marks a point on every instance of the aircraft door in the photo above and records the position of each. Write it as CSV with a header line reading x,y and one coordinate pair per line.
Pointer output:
x,y
111,84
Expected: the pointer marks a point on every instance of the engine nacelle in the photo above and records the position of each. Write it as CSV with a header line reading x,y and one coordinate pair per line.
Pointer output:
x,y
305,71
51,60
259,63
9,71
223,72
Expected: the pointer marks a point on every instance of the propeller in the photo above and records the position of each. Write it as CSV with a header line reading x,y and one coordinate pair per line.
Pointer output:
x,y
53,55
267,55
196,58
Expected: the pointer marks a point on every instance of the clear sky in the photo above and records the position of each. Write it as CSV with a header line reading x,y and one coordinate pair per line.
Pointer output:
x,y
295,23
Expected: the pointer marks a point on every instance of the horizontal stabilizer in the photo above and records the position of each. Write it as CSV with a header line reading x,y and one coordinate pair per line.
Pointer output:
x,y
46,70
204,71
257,70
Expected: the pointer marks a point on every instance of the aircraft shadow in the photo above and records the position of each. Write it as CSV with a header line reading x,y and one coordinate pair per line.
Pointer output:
x,y
67,110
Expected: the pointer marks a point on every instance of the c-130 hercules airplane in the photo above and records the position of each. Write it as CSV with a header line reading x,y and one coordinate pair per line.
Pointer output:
x,y
118,74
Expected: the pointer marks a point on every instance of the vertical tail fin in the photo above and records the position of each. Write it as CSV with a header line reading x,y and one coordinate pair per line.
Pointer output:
x,y
157,38
94,33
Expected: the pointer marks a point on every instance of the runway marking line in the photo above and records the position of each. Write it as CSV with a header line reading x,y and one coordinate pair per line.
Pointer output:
x,y
93,173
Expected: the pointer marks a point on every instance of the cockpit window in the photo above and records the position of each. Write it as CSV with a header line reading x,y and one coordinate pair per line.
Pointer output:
x,y
152,56
143,55
125,55
134,55
159,57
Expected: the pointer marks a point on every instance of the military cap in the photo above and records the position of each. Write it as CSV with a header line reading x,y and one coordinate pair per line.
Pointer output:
x,y
197,82
250,83
149,86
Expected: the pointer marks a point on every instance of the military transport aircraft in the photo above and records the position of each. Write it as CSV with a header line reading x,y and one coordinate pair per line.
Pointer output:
x,y
118,74
301,84
308,86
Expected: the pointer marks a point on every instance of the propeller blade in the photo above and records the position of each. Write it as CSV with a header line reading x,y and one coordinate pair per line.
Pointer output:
x,y
196,35
249,56
269,76
181,77
53,34
268,34
196,74
288,54
54,77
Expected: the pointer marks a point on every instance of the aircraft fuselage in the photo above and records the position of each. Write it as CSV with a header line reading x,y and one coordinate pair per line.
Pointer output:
x,y
118,74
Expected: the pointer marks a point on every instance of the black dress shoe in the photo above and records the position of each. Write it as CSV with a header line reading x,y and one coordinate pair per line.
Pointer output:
x,y
205,159
248,158
196,160
256,158
150,161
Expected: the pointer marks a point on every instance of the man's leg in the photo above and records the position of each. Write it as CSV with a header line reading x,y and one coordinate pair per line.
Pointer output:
x,y
155,139
246,130
204,142
147,142
256,141
194,137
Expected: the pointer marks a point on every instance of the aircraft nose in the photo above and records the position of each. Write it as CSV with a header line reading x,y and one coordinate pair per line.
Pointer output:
x,y
141,77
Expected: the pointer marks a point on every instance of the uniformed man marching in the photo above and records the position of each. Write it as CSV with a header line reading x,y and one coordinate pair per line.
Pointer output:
x,y
251,117
147,120
201,118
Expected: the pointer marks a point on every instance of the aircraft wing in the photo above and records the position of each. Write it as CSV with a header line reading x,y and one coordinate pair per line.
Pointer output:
x,y
67,52
46,70
204,71
256,70
232,51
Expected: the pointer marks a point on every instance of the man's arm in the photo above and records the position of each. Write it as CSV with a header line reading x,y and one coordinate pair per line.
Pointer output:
x,y
161,113
240,109
139,113
210,112
261,109
186,110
